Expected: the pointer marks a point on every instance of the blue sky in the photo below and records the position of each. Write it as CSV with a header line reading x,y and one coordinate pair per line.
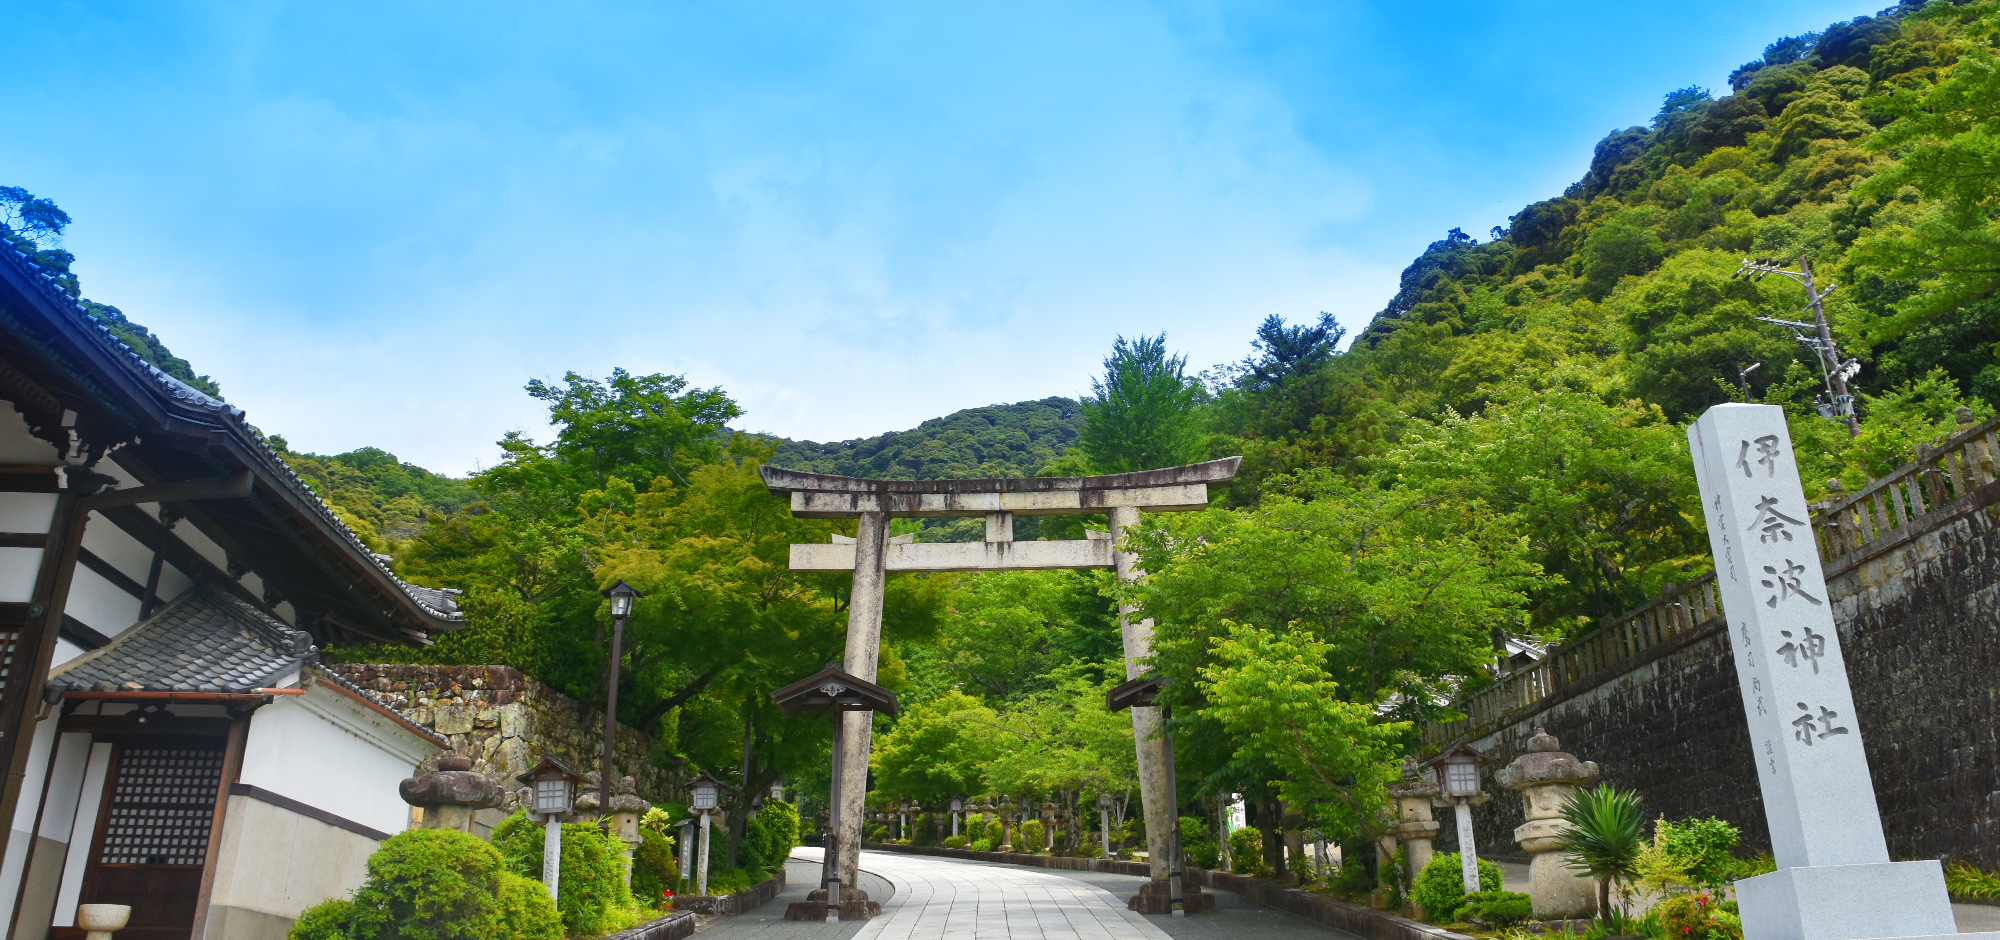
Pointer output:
x,y
374,222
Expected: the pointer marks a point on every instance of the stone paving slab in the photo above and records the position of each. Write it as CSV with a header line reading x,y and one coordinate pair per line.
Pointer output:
x,y
931,898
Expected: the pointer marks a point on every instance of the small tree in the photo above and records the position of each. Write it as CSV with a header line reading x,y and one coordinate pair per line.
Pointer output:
x,y
1604,837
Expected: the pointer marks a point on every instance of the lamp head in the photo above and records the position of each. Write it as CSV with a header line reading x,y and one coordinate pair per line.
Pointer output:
x,y
621,595
706,792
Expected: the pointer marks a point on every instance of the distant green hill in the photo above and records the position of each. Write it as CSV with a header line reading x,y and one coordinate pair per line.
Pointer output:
x,y
995,441
384,500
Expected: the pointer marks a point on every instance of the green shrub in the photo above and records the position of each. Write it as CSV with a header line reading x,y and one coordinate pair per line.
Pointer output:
x,y
1497,908
526,907
982,845
429,884
327,920
1033,836
654,868
594,895
1965,880
1701,847
755,852
1690,917
1246,850
781,827
955,842
1198,854
731,880
1440,887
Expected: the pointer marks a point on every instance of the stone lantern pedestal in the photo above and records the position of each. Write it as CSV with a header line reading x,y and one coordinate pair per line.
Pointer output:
x,y
1545,777
1414,827
627,808
450,794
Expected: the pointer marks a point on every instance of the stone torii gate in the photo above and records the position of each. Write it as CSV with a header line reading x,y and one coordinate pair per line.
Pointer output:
x,y
871,554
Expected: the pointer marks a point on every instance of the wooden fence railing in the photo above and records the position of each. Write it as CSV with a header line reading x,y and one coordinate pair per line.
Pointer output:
x,y
1850,528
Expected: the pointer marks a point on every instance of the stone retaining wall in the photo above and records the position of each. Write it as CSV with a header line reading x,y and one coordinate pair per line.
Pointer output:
x,y
741,902
507,722
1919,622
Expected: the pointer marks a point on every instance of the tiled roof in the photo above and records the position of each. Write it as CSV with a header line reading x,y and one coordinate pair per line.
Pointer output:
x,y
439,603
205,641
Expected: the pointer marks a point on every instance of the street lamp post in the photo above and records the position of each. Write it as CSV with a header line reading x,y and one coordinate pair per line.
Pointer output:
x,y
707,792
1460,767
621,595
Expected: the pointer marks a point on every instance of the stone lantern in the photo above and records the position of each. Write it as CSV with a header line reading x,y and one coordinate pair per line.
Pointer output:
x,y
1007,826
1546,777
450,794
1049,825
1414,825
627,808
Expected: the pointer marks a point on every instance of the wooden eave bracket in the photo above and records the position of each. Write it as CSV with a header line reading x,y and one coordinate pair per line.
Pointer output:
x,y
233,486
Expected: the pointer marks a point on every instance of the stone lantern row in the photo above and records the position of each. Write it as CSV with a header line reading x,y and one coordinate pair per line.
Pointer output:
x,y
1011,814
1545,776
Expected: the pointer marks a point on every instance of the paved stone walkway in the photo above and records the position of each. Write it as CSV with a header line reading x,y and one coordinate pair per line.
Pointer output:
x,y
930,898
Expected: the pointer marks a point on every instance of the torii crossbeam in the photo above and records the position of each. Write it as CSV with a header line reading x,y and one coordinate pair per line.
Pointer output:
x,y
871,554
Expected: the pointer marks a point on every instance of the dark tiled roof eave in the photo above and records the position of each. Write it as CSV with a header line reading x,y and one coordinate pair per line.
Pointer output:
x,y
438,603
204,641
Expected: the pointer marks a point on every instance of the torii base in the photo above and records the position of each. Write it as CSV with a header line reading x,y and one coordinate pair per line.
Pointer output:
x,y
1156,897
854,905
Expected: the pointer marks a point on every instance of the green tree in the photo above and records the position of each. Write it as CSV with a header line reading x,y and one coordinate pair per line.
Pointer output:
x,y
1143,412
634,427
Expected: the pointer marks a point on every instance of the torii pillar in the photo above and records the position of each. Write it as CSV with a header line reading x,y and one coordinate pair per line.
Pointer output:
x,y
872,554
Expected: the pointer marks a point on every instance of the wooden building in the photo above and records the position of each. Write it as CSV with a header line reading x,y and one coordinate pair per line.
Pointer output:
x,y
165,581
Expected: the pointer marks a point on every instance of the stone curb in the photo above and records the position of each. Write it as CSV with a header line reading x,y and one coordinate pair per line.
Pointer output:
x,y
1356,919
742,901
676,926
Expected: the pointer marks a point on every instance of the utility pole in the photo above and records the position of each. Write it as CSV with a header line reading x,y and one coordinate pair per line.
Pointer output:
x,y
1835,370
1743,378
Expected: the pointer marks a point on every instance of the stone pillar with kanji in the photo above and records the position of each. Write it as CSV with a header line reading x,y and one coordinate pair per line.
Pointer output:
x,y
1834,879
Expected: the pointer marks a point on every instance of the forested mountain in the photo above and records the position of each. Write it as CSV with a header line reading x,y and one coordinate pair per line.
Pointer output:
x,y
994,441
384,500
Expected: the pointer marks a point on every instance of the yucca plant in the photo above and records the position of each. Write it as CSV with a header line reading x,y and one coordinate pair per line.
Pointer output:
x,y
1604,838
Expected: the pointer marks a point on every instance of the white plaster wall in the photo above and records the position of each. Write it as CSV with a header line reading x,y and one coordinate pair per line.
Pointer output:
x,y
273,864
17,446
82,831
27,512
65,651
24,813
18,567
335,755
109,542
100,604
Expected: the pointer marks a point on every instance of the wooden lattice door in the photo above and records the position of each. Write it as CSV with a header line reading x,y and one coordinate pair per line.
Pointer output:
x,y
152,832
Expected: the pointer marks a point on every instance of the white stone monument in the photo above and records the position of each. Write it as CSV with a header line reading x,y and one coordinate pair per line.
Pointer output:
x,y
1834,879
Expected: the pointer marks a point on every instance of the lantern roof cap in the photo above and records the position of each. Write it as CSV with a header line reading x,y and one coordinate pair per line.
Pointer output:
x,y
547,765
620,588
1460,749
1141,692
835,689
